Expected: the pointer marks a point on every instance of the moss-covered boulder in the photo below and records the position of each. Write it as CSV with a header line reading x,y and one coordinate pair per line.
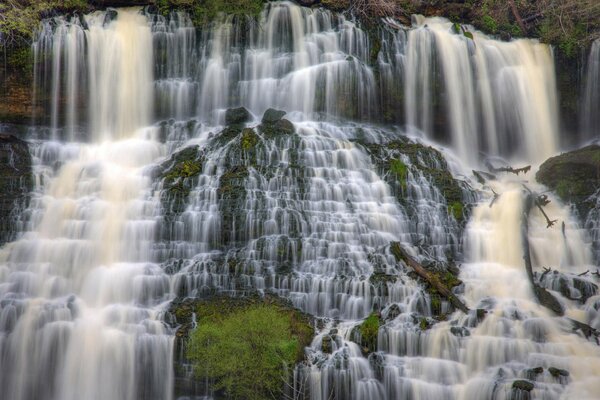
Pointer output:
x,y
574,176
16,182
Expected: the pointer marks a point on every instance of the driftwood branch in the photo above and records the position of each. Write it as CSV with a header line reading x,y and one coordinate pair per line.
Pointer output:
x,y
512,170
432,279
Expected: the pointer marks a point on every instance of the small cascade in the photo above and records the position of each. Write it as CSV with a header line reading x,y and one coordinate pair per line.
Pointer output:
x,y
590,120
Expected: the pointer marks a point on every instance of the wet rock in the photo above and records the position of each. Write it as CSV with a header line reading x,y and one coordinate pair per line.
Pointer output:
x,y
237,116
272,116
460,331
523,385
558,373
16,183
326,344
392,312
279,128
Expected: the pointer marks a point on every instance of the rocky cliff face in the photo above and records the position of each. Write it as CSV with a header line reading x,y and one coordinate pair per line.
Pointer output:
x,y
16,182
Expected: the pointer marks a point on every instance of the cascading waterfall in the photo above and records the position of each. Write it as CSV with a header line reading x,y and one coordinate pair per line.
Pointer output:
x,y
306,211
78,288
590,120
500,98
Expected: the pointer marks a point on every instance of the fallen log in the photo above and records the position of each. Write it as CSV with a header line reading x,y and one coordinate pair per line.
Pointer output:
x,y
512,170
432,279
545,298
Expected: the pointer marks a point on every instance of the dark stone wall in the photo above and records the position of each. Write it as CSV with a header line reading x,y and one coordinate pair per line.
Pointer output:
x,y
16,182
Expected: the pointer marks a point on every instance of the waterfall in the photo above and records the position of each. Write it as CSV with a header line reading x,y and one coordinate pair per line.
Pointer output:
x,y
590,120
498,98
381,132
79,288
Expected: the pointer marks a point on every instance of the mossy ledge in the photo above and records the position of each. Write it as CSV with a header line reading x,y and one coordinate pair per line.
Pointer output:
x,y
574,176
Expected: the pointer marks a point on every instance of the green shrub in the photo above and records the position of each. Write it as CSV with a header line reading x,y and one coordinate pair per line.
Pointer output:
x,y
248,352
489,24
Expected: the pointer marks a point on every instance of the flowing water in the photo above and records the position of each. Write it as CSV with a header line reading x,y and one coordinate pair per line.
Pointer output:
x,y
590,120
308,215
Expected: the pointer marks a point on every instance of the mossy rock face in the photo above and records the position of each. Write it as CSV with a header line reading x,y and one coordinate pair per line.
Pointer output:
x,y
574,176
429,161
16,183
237,116
179,175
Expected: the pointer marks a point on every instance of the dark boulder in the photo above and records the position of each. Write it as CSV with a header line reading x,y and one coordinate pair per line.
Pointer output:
x,y
272,116
237,116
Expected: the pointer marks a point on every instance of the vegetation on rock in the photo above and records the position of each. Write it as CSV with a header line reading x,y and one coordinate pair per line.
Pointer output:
x,y
247,348
574,176
368,331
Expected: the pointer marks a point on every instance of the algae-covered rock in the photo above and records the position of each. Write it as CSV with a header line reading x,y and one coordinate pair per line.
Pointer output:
x,y
16,182
574,176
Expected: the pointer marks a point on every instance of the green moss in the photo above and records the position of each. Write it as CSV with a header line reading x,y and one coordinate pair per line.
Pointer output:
x,y
456,210
369,330
247,351
249,139
423,324
399,168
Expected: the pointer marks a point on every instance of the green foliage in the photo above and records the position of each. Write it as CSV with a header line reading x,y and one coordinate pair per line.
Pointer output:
x,y
423,325
247,352
489,24
19,19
